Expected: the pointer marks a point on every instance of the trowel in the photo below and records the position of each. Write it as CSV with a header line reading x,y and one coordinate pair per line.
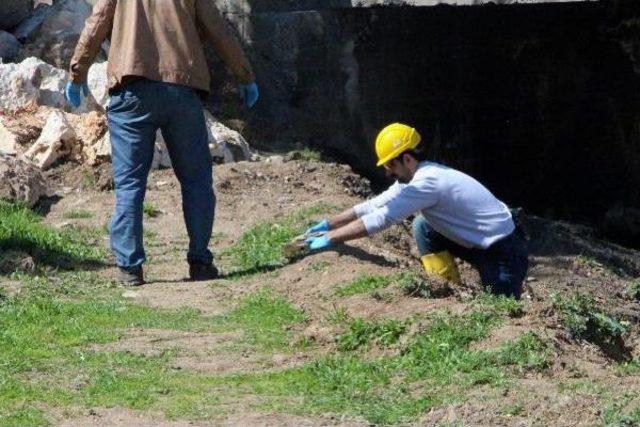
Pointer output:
x,y
297,248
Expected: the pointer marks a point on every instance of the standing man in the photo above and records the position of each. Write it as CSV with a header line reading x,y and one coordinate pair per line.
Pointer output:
x,y
156,72
456,216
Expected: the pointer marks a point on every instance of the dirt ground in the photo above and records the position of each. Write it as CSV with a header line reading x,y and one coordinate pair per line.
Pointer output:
x,y
564,258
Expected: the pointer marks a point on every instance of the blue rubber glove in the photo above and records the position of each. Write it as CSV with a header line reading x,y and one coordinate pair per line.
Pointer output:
x,y
72,92
250,94
320,227
319,243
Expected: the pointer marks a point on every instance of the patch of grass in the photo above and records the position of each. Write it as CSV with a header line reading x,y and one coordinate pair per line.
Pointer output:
x,y
89,179
306,153
363,284
150,210
633,290
513,409
265,318
22,229
338,316
44,354
500,304
78,214
435,366
622,412
629,368
590,261
362,333
149,234
319,266
583,319
413,284
527,353
261,247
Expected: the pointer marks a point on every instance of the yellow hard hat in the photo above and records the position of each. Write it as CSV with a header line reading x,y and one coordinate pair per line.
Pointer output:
x,y
394,140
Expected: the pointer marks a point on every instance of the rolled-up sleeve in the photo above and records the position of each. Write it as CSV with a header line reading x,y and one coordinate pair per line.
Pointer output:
x,y
398,205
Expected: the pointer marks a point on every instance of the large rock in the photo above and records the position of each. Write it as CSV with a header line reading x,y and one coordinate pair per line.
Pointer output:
x,y
21,129
12,12
8,140
226,145
54,41
23,31
21,182
56,141
9,47
98,152
29,83
99,84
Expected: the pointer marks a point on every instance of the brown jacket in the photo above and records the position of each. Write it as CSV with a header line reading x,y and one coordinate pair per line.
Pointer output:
x,y
159,40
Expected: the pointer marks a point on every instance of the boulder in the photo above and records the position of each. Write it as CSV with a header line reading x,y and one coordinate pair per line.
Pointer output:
x,y
9,47
29,83
226,145
98,152
13,12
19,130
56,141
24,31
21,181
54,40
99,84
8,140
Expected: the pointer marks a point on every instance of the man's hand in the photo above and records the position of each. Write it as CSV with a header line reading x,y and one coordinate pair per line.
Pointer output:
x,y
319,243
73,93
322,226
250,94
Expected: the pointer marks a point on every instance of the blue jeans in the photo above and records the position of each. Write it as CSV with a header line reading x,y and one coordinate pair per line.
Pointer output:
x,y
135,114
502,266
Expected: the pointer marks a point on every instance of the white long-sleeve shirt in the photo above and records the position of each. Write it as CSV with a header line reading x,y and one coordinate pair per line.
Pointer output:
x,y
453,203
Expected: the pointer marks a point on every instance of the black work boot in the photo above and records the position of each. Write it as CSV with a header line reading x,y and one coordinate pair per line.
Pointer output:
x,y
131,276
201,271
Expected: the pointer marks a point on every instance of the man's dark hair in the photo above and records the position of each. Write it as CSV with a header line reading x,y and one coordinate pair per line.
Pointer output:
x,y
419,153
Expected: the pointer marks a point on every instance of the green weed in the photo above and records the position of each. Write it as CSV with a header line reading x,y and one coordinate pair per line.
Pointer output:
x,y
78,214
338,316
306,153
319,266
633,290
527,353
629,368
622,412
363,284
582,319
362,333
500,304
150,210
265,318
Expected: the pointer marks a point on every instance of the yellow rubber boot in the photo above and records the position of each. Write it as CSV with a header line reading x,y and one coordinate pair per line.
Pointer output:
x,y
441,264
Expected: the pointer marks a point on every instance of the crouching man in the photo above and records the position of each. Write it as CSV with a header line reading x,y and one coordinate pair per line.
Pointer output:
x,y
455,216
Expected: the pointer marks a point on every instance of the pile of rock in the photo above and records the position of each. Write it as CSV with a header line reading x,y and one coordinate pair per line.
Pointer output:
x,y
37,126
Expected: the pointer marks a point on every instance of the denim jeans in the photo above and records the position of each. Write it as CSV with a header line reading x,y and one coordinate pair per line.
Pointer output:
x,y
502,266
135,114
